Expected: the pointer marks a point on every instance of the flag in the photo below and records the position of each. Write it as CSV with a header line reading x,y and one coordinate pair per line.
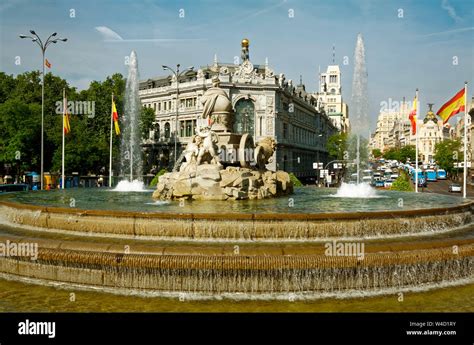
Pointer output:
x,y
452,107
412,116
47,63
115,117
67,126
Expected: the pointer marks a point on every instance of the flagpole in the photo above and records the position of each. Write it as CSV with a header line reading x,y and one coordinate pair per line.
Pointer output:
x,y
64,115
417,106
465,142
111,125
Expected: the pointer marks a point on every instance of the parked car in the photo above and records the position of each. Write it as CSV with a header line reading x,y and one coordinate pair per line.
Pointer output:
x,y
455,187
388,183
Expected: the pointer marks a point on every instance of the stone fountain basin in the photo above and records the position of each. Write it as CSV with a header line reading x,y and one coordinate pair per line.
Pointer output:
x,y
245,227
218,270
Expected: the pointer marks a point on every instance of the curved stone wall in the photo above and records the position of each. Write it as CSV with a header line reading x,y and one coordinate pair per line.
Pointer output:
x,y
93,264
242,227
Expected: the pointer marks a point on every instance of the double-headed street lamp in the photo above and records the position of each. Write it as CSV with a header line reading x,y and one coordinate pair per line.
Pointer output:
x,y
51,39
177,74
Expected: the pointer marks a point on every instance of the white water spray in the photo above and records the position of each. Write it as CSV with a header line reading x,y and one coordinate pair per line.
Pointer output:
x,y
130,150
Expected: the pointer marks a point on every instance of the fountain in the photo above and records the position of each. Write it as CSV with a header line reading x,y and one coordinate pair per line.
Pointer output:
x,y
130,150
221,165
359,111
196,240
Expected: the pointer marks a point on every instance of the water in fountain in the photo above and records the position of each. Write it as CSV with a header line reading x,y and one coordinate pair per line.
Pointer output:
x,y
361,190
359,109
130,151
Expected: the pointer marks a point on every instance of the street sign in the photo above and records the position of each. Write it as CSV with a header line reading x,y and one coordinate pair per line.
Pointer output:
x,y
461,165
317,165
323,173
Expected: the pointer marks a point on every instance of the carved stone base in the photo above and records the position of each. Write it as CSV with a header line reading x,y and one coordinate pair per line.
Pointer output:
x,y
211,182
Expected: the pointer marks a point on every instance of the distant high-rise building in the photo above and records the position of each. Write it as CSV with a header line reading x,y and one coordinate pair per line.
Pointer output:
x,y
330,99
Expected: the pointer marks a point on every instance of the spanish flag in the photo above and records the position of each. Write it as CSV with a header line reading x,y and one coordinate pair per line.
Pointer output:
x,y
452,107
115,117
412,116
66,124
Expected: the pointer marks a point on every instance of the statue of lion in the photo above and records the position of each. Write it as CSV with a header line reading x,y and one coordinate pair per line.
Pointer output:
x,y
264,152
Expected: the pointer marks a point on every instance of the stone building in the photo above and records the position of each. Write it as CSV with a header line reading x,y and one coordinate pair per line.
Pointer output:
x,y
330,99
265,105
431,131
393,129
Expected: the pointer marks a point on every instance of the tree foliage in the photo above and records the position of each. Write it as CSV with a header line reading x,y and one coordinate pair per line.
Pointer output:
x,y
337,145
376,153
404,154
402,183
448,152
87,145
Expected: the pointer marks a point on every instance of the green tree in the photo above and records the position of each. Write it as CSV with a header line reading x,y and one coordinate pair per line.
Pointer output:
x,y
337,145
147,117
402,183
448,152
407,153
20,126
376,153
392,154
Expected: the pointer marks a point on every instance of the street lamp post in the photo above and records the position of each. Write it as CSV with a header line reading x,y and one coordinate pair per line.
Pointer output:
x,y
37,39
177,74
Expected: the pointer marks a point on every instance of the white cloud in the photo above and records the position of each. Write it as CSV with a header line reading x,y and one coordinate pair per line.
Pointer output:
x,y
451,11
455,31
108,34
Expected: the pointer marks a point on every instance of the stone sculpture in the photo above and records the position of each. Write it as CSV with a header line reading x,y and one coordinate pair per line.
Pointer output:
x,y
201,174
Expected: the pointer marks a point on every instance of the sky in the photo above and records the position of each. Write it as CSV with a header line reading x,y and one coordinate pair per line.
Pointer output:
x,y
424,44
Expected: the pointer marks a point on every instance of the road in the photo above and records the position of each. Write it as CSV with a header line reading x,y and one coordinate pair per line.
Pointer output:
x,y
441,187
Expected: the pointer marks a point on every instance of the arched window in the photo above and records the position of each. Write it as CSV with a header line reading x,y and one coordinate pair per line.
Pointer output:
x,y
244,117
167,130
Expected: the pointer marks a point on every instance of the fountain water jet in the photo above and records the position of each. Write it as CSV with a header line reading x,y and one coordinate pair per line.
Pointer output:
x,y
359,107
361,190
130,151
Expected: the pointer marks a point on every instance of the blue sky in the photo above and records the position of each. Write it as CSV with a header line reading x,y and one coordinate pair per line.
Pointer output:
x,y
404,51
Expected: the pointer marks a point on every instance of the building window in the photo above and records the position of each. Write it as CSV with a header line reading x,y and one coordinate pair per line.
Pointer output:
x,y
181,129
189,128
244,117
285,130
167,130
157,131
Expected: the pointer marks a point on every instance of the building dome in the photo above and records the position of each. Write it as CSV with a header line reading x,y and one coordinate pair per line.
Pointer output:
x,y
245,42
430,116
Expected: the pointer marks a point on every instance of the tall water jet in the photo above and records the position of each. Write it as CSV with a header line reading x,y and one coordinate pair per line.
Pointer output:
x,y
359,100
130,151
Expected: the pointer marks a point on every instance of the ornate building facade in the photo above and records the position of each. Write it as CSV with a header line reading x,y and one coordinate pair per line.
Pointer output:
x,y
329,98
265,105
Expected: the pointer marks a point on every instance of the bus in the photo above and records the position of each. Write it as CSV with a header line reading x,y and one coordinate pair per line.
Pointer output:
x,y
441,174
421,178
430,175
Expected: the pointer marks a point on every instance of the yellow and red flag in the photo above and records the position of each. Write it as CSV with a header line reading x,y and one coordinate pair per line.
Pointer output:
x,y
452,107
47,63
66,124
115,118
412,116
